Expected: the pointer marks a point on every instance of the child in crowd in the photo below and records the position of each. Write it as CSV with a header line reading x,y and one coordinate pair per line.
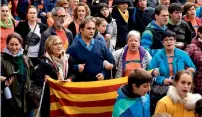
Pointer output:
x,y
133,100
179,102
101,26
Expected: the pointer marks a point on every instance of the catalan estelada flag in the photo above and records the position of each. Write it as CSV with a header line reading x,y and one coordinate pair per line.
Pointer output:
x,y
83,99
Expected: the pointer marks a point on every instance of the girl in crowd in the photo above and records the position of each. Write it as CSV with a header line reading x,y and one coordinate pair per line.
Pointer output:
x,y
6,25
31,32
179,102
195,52
13,60
104,12
101,26
132,56
80,12
54,64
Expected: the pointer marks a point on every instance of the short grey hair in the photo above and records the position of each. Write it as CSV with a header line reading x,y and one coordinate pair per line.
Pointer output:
x,y
133,33
55,10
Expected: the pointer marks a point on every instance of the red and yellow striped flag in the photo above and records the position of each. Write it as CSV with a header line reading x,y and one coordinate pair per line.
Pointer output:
x,y
83,99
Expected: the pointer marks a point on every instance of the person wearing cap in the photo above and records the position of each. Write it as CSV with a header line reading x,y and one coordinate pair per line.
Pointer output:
x,y
141,17
190,15
121,13
169,61
179,26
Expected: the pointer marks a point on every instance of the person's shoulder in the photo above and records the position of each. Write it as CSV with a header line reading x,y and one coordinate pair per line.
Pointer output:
x,y
42,25
180,52
166,100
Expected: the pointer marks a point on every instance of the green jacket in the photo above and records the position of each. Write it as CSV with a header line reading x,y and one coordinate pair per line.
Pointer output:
x,y
9,65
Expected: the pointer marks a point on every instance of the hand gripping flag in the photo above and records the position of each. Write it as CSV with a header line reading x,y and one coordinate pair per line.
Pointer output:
x,y
83,99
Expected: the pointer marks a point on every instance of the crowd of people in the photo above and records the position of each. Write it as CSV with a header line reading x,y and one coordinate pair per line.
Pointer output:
x,y
156,44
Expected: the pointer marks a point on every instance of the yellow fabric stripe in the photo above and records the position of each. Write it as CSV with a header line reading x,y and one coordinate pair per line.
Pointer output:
x,y
80,110
90,84
83,97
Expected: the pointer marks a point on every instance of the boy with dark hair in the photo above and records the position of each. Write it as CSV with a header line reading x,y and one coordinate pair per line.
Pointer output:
x,y
152,36
133,99
179,26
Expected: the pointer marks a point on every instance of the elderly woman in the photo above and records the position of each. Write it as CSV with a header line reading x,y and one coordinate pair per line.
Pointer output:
x,y
55,64
13,61
179,101
169,61
80,12
6,25
103,12
31,32
195,52
131,56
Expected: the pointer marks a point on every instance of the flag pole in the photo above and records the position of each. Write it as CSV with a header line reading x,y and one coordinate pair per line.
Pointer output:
x,y
44,83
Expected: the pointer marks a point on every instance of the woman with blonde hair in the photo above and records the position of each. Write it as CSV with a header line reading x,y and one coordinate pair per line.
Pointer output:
x,y
54,64
80,12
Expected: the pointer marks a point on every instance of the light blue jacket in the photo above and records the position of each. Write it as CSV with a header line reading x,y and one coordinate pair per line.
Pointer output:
x,y
131,107
181,61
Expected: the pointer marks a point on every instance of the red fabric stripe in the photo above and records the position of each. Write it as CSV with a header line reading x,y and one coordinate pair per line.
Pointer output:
x,y
93,90
65,102
60,113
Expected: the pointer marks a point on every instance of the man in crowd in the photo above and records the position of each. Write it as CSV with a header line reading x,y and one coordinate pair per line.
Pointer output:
x,y
141,16
152,36
59,15
90,54
179,26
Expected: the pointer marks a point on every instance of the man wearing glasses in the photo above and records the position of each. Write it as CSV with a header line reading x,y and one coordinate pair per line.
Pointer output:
x,y
59,15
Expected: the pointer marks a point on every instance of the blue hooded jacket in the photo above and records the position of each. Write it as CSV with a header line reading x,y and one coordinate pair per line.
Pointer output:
x,y
133,106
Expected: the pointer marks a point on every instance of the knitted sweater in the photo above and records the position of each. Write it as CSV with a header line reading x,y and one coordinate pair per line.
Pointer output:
x,y
92,59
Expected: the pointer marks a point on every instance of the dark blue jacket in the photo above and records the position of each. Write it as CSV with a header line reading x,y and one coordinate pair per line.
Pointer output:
x,y
92,59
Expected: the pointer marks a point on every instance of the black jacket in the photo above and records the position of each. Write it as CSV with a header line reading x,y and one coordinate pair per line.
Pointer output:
x,y
23,29
51,31
122,27
46,67
72,28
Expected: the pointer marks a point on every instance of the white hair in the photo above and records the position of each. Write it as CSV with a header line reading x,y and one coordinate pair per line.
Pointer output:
x,y
133,33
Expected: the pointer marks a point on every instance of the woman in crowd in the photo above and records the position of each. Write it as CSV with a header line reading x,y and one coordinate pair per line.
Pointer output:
x,y
31,32
80,12
190,15
169,61
6,25
179,101
103,12
195,52
55,64
65,5
132,56
13,61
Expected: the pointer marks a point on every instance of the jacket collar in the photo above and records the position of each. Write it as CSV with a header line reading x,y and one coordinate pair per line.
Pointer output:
x,y
189,101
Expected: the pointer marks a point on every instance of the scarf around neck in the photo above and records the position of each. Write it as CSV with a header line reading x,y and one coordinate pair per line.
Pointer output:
x,y
7,25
